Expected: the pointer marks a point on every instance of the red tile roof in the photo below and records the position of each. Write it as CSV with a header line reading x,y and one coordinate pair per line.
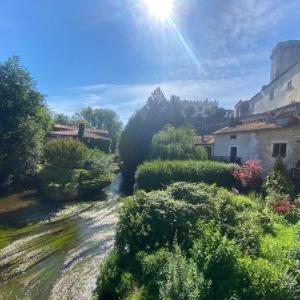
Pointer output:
x,y
74,133
247,127
68,131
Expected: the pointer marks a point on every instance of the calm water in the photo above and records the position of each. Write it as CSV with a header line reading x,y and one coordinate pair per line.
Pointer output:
x,y
53,251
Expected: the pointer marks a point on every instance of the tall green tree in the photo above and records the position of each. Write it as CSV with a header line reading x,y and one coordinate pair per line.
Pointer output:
x,y
104,119
136,137
24,121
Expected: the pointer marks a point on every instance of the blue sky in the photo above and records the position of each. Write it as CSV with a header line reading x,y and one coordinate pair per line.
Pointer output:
x,y
113,53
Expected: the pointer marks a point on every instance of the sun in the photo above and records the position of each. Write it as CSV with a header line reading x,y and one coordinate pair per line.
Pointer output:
x,y
160,9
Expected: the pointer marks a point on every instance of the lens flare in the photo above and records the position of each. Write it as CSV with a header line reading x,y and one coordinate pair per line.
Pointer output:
x,y
160,9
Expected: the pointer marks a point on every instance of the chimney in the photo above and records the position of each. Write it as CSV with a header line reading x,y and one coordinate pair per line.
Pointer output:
x,y
81,130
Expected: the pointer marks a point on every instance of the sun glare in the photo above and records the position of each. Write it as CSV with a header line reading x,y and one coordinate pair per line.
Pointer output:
x,y
160,9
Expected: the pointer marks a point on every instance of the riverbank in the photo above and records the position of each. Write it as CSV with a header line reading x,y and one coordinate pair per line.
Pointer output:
x,y
53,252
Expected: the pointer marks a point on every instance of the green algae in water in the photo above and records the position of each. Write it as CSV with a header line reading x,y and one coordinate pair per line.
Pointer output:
x,y
10,234
55,255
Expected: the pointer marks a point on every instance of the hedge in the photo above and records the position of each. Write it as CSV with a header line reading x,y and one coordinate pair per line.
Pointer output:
x,y
157,174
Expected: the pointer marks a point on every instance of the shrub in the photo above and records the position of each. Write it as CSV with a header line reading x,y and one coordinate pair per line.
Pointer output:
x,y
171,143
182,279
109,276
265,281
278,181
217,257
65,153
152,266
222,248
157,174
249,175
150,221
72,170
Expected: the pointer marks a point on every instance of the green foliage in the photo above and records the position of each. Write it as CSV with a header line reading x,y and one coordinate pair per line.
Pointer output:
x,y
217,257
265,280
109,276
277,181
65,153
196,241
103,119
73,170
182,279
136,138
64,120
24,121
171,143
149,221
157,174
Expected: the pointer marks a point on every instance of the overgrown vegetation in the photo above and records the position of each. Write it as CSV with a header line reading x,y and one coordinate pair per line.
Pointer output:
x,y
171,143
195,241
72,170
24,121
157,174
135,140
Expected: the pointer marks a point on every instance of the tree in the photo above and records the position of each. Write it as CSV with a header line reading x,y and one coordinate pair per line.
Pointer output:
x,y
136,138
171,143
103,119
24,121
63,119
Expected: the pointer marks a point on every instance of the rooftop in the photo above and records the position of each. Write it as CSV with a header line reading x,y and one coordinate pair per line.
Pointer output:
x,y
68,131
247,127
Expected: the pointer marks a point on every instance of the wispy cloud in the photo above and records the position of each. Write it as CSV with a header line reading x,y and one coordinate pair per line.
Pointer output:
x,y
125,99
241,22
228,43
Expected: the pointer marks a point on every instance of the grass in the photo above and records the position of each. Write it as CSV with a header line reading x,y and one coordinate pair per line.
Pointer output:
x,y
279,246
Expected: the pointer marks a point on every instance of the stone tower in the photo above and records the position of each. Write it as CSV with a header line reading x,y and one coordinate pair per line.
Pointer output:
x,y
284,55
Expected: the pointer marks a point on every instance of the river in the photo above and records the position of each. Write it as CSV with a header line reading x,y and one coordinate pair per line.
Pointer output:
x,y
53,251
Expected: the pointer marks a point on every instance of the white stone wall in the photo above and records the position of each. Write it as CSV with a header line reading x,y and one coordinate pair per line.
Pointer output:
x,y
245,143
282,95
259,145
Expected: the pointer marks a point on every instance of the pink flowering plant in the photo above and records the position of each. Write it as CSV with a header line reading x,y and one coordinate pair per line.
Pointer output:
x,y
249,175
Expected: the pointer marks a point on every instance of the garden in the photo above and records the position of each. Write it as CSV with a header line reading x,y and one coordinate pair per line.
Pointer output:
x,y
197,229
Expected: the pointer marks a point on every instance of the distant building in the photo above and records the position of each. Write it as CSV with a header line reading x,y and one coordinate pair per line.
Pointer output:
x,y
94,138
267,125
284,88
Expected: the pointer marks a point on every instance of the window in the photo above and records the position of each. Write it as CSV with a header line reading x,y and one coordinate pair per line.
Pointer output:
x,y
279,150
233,136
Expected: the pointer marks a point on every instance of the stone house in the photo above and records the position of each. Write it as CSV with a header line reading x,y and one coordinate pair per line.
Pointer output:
x,y
260,141
267,125
93,138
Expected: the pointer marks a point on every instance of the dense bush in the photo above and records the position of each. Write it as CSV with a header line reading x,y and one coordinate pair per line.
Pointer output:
x,y
182,279
157,174
249,175
278,181
72,170
176,144
195,241
65,153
